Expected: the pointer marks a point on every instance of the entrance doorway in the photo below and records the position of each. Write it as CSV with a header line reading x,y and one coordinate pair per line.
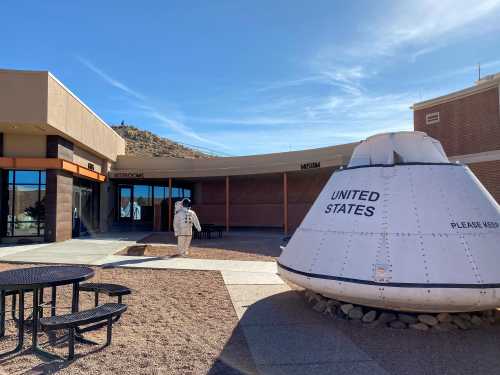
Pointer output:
x,y
125,204
135,206
85,208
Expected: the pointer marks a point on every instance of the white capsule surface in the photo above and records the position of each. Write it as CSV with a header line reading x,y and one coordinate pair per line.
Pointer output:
x,y
400,228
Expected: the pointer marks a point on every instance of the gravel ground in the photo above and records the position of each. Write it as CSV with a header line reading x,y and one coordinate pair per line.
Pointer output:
x,y
178,322
232,246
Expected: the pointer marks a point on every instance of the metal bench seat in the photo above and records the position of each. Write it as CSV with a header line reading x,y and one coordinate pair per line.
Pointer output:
x,y
112,290
105,312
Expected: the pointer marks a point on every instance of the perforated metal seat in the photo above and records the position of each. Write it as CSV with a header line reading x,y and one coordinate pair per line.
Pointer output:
x,y
105,312
79,318
112,290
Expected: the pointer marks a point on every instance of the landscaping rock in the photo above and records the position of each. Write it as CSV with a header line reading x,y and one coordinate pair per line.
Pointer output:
x,y
497,315
340,314
476,321
443,317
488,313
320,306
331,307
419,326
397,324
312,297
461,323
356,313
332,302
465,316
386,317
427,319
346,308
408,319
370,316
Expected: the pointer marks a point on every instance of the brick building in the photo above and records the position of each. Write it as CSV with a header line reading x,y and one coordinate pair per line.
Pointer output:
x,y
467,123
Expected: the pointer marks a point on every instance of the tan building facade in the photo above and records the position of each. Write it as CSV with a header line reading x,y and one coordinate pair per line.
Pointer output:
x,y
64,172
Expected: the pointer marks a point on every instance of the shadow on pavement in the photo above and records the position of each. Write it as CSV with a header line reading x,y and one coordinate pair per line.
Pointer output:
x,y
259,243
285,336
132,261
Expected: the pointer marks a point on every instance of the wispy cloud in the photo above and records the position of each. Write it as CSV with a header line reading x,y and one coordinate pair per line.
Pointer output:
x,y
113,82
346,78
142,103
469,69
426,25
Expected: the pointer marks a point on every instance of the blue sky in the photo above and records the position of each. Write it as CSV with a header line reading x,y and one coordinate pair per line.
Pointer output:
x,y
253,77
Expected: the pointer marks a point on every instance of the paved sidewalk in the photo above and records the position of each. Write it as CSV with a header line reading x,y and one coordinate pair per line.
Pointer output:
x,y
74,251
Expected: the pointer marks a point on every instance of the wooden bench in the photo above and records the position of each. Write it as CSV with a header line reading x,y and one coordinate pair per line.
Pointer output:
x,y
102,313
112,290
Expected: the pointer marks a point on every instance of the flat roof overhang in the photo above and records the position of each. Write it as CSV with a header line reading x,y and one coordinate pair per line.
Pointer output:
x,y
37,103
134,167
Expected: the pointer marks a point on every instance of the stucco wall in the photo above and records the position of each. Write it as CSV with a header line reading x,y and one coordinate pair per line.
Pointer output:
x,y
83,158
69,115
23,97
22,145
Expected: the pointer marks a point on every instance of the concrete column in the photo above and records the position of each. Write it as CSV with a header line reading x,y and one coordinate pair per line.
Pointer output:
x,y
58,206
59,194
170,204
227,203
106,200
4,195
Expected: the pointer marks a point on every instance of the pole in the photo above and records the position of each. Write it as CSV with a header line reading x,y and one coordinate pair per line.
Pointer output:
x,y
170,204
227,203
285,203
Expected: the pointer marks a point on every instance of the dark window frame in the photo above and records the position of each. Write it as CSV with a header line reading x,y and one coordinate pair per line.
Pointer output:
x,y
12,205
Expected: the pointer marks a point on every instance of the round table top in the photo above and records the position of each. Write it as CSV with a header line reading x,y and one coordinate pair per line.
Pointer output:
x,y
39,277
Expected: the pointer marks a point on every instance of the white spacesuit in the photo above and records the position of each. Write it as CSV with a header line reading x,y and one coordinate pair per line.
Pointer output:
x,y
184,219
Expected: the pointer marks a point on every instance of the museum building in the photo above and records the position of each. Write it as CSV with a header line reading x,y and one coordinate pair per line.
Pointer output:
x,y
64,172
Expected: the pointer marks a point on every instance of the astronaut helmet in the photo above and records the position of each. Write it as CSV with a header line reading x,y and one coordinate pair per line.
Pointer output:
x,y
178,206
186,203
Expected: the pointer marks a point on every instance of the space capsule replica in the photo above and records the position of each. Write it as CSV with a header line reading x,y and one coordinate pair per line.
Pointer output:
x,y
400,228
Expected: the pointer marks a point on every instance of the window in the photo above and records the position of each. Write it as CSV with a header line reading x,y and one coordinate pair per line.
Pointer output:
x,y
432,118
26,206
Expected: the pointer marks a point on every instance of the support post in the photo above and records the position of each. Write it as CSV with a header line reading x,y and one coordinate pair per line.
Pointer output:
x,y
170,204
227,203
285,203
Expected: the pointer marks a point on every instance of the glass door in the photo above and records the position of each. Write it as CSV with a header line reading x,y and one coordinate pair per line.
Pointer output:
x,y
85,220
76,212
125,204
86,216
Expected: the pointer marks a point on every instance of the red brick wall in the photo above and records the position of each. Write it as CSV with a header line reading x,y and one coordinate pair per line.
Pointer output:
x,y
257,200
467,126
488,173
209,201
303,189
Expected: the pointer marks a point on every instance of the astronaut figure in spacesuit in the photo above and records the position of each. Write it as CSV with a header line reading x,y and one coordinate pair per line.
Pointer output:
x,y
184,219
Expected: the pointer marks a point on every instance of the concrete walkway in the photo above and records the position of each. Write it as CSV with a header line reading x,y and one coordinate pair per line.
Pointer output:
x,y
75,251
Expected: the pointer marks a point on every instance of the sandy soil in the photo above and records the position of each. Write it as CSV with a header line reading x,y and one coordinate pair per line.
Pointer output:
x,y
178,322
241,246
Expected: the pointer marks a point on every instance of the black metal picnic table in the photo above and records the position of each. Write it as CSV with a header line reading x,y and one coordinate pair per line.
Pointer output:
x,y
34,280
